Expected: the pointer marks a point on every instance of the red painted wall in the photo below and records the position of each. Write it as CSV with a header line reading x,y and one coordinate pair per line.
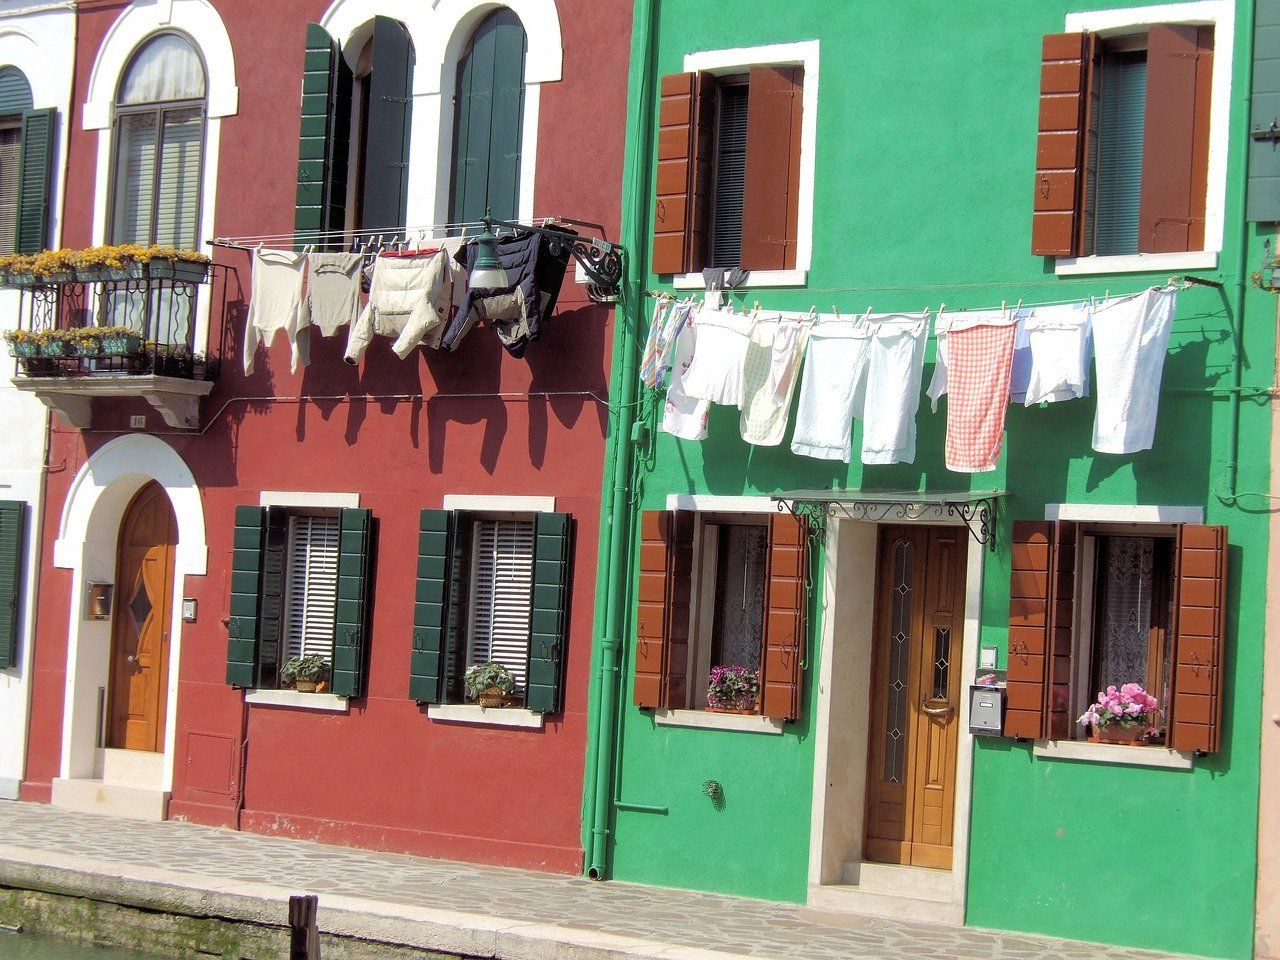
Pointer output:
x,y
383,775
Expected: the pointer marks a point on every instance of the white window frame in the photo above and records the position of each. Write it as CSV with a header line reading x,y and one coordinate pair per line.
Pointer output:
x,y
1220,14
1135,520
737,60
493,505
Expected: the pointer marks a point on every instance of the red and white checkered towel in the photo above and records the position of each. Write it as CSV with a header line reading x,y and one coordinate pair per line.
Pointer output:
x,y
979,364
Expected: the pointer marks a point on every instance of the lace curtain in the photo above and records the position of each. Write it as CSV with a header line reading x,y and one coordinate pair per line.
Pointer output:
x,y
1122,647
167,68
739,615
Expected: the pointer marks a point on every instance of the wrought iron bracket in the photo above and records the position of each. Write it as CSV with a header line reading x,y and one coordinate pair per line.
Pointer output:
x,y
978,515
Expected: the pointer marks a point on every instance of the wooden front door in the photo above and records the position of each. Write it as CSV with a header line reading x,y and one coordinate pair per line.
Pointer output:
x,y
915,695
140,628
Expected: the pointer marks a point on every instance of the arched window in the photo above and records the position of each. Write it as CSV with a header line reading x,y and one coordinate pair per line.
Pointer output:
x,y
26,155
488,127
159,137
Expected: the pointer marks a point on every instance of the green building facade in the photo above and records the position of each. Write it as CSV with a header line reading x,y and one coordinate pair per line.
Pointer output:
x,y
912,158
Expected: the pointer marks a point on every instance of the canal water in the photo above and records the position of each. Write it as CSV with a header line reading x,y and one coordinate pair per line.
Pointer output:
x,y
20,946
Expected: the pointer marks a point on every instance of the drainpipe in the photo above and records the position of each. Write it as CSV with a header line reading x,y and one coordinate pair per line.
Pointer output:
x,y
635,221
1230,497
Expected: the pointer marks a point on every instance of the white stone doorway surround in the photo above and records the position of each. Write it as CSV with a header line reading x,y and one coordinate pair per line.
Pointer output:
x,y
839,880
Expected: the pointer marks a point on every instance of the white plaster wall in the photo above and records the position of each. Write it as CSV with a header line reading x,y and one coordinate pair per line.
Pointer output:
x,y
39,38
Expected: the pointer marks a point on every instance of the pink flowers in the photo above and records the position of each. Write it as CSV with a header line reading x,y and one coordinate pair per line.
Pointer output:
x,y
1129,705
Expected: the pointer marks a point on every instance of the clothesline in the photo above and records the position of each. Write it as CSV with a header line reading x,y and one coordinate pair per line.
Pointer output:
x,y
403,235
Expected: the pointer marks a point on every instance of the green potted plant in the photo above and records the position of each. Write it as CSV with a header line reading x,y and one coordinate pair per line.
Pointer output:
x,y
23,343
18,270
181,266
58,344
733,690
1126,714
489,684
308,674
111,263
120,341
54,266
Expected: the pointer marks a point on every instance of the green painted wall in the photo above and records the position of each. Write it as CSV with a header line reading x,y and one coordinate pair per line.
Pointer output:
x,y
925,156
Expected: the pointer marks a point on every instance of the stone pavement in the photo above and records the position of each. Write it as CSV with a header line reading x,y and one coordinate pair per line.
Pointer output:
x,y
458,908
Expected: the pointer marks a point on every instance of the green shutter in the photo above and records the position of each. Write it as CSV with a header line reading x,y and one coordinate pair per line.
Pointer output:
x,y
489,121
12,529
431,607
15,92
1264,154
325,137
246,596
1118,187
351,613
550,612
386,151
33,182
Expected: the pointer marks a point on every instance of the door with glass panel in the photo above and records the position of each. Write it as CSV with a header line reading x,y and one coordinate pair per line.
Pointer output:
x,y
915,696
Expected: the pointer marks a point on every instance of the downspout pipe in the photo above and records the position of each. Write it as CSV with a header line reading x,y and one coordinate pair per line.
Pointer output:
x,y
635,229
1230,496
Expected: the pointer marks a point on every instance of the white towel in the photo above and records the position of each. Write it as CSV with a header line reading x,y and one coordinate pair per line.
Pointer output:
x,y
834,368
1051,355
1131,340
682,415
889,395
719,357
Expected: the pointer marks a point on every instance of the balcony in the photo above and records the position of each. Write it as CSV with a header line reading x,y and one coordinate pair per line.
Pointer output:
x,y
90,333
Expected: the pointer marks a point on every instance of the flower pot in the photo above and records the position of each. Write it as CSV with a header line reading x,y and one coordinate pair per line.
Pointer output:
x,y
58,277
748,709
180,271
24,348
125,346
492,697
101,274
55,348
24,279
304,686
1115,733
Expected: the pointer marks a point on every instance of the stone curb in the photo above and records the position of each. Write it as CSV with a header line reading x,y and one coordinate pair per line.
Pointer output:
x,y
447,931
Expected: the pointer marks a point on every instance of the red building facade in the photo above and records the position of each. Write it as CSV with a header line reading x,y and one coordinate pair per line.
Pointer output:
x,y
149,481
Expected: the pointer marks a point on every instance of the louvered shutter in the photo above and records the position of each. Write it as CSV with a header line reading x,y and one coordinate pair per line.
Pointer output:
x,y
246,596
1264,155
1065,72
271,610
33,185
1200,604
1116,158
1175,146
311,586
351,612
386,152
676,126
178,192
15,92
771,193
785,620
489,121
10,173
549,623
501,595
133,196
431,606
324,137
1041,595
12,534
727,175
662,620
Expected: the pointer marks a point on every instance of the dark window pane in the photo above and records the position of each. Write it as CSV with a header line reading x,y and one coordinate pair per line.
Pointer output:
x,y
738,628
730,177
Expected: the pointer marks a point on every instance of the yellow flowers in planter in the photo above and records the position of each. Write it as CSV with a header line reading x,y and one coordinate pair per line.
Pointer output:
x,y
111,257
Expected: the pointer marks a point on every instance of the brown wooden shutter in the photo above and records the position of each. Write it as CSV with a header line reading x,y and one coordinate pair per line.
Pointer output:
x,y
1041,596
771,193
1200,601
1065,74
662,617
705,89
676,126
1175,145
785,626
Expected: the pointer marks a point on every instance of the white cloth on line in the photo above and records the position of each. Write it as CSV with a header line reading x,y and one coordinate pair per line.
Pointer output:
x,y
683,416
721,351
789,345
834,368
889,395
1051,354
943,324
279,277
1131,340
409,298
333,290
764,412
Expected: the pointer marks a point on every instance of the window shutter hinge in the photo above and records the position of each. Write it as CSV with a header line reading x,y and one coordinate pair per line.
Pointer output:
x,y
1270,134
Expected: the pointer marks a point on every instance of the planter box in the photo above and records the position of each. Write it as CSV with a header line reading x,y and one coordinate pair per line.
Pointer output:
x,y
131,271
24,280
23,349
55,279
121,346
750,711
55,348
1113,733
180,271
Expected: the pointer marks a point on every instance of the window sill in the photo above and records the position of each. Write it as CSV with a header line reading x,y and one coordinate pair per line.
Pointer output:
x,y
1135,263
1113,753
490,716
326,702
708,720
755,278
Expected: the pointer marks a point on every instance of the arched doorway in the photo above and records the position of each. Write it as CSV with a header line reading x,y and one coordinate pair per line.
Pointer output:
x,y
139,680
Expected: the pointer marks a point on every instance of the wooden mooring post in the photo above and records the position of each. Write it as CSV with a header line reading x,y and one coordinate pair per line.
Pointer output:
x,y
304,935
